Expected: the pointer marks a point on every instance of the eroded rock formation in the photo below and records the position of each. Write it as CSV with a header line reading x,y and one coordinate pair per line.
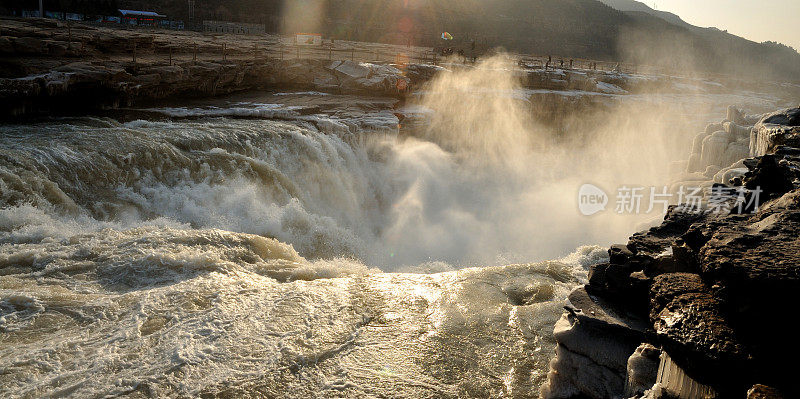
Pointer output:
x,y
112,84
707,293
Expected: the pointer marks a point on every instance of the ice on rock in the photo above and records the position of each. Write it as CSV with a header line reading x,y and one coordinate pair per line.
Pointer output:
x,y
735,152
713,127
594,344
735,115
723,143
572,373
351,69
714,147
693,164
672,381
738,131
711,170
642,370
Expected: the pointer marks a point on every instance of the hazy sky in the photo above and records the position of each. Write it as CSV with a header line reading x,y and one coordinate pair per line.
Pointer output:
x,y
757,20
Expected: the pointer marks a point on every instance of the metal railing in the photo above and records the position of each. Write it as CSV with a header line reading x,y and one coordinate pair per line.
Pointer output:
x,y
282,51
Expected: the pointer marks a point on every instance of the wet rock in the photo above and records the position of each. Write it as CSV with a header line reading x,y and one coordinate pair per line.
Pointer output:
x,y
619,283
669,286
769,177
658,239
619,254
665,263
755,267
690,326
684,259
604,315
602,349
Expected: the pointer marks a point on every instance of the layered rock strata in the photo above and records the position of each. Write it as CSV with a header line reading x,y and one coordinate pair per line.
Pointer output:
x,y
89,85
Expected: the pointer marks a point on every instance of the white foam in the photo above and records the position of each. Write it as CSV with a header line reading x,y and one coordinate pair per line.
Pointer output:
x,y
207,305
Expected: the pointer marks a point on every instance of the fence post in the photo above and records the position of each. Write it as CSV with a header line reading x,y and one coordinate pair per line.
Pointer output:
x,y
298,52
194,57
134,52
170,55
223,51
352,54
281,50
330,52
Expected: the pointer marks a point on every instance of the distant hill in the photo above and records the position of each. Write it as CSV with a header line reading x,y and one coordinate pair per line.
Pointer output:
x,y
638,6
612,30
568,28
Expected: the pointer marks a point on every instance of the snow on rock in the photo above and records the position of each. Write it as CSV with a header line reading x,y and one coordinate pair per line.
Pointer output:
x,y
354,70
609,88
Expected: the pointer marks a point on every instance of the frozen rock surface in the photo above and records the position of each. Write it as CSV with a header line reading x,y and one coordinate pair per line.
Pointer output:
x,y
673,382
642,370
595,339
780,128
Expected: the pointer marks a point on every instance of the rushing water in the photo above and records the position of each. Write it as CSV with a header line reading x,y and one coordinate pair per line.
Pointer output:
x,y
135,260
311,256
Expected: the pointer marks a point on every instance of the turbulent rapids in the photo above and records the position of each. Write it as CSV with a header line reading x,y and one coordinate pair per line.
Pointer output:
x,y
255,249
136,260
